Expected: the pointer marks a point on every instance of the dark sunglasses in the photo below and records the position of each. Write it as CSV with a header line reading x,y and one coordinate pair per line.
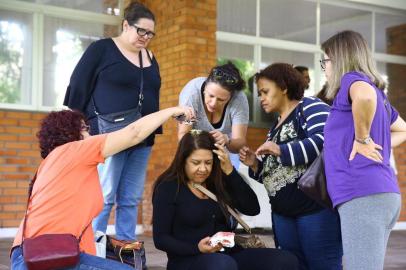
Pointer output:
x,y
143,32
222,76
323,63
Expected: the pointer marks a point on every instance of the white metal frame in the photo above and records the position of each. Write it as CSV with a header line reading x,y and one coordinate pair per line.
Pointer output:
x,y
39,11
258,42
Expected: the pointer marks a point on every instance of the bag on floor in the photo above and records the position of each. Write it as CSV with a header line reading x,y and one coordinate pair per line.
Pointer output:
x,y
128,252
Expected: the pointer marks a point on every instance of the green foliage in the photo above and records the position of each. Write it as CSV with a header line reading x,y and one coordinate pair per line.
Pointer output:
x,y
10,70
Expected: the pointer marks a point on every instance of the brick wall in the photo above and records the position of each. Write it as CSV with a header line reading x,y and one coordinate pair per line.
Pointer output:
x,y
19,157
396,40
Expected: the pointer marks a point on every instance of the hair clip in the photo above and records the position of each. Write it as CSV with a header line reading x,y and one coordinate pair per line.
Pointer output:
x,y
195,132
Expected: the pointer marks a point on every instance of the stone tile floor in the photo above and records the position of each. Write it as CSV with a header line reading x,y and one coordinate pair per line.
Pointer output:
x,y
156,259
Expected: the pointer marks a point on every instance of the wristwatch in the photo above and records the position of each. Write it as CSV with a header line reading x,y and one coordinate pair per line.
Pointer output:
x,y
366,140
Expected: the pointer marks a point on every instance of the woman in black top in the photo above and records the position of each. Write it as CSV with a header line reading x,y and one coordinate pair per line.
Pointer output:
x,y
107,79
184,218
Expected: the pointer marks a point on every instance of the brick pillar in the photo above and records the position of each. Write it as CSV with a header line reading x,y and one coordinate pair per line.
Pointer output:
x,y
185,47
396,40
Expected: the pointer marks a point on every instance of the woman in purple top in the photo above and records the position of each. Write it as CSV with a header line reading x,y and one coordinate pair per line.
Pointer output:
x,y
359,133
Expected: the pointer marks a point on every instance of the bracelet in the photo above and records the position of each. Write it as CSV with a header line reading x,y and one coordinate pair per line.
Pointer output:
x,y
366,140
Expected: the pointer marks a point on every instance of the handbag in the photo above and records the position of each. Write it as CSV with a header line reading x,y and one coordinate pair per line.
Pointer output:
x,y
245,241
114,121
49,251
313,182
128,252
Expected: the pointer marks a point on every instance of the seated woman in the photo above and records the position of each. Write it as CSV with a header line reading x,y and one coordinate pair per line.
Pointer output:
x,y
67,195
184,218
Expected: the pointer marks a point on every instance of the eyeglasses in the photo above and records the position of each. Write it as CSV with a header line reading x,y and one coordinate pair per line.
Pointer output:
x,y
323,63
220,75
143,32
85,127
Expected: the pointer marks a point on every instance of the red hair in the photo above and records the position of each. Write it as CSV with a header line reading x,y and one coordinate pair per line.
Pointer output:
x,y
58,128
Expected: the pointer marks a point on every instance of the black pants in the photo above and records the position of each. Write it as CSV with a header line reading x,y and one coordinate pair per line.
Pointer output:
x,y
245,259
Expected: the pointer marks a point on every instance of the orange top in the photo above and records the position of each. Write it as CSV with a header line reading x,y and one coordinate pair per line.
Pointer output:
x,y
67,194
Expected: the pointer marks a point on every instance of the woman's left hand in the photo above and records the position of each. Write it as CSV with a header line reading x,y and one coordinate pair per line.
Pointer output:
x,y
220,137
369,151
269,148
224,158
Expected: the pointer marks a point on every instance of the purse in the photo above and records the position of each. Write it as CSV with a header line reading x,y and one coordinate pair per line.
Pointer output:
x,y
313,182
114,121
128,252
245,241
49,251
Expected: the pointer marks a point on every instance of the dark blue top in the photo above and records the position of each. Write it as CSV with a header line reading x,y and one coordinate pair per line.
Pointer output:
x,y
104,72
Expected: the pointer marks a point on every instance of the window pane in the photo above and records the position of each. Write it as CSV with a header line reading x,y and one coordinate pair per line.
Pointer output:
x,y
242,56
270,56
65,41
335,19
390,34
107,7
236,16
301,25
15,57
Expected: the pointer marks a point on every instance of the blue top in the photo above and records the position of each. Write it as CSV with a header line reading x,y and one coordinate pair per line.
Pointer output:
x,y
104,72
361,176
300,138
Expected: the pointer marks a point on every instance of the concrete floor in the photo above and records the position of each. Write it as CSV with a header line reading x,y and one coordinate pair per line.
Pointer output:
x,y
156,260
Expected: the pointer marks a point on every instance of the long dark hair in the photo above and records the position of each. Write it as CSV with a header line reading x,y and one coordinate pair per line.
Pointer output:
x,y
191,141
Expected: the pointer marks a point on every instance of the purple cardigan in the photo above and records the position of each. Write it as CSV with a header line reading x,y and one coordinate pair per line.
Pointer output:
x,y
360,177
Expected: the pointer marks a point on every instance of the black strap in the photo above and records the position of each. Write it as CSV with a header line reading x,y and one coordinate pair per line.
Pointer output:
x,y
30,187
140,95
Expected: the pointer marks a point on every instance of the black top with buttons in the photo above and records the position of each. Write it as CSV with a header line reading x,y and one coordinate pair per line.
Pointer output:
x,y
181,219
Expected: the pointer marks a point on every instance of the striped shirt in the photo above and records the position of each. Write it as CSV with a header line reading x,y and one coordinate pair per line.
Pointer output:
x,y
312,114
300,138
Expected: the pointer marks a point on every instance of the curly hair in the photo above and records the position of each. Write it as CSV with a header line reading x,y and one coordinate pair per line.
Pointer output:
x,y
58,128
285,77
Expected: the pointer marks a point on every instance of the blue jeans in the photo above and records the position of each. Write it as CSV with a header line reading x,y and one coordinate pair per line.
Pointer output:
x,y
315,239
122,178
88,262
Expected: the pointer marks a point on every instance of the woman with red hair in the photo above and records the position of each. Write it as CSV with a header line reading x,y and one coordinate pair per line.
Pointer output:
x,y
67,194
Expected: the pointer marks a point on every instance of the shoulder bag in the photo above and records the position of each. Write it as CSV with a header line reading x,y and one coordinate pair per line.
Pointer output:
x,y
313,182
118,120
244,241
49,251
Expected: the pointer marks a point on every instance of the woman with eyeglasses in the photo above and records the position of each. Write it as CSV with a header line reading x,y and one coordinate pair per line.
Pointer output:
x,y
66,194
299,223
359,133
115,75
221,107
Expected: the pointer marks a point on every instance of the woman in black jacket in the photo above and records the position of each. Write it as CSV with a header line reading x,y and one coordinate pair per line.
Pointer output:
x,y
185,218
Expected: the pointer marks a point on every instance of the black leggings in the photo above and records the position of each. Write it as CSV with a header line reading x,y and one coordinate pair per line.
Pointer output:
x,y
246,259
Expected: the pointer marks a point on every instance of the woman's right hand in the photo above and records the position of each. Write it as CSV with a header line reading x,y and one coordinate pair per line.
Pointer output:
x,y
247,156
205,247
185,113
